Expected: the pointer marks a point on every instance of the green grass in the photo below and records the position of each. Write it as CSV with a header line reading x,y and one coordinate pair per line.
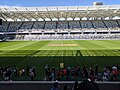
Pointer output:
x,y
39,53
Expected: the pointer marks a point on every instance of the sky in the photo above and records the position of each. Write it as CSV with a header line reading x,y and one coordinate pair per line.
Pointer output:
x,y
55,2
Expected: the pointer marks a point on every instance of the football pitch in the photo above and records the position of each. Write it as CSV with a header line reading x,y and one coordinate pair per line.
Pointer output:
x,y
69,52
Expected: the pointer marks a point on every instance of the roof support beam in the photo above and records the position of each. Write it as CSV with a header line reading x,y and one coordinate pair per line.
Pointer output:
x,y
21,15
3,17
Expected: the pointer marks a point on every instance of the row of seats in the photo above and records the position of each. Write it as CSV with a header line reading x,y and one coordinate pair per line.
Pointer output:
x,y
63,25
67,37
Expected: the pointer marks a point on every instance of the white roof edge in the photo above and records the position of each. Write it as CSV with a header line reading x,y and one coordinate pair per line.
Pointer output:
x,y
58,8
118,6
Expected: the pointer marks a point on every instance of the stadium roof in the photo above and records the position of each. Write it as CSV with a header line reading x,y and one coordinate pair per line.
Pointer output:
x,y
55,13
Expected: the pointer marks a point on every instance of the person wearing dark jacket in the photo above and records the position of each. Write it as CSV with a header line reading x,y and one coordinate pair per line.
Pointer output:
x,y
55,86
88,85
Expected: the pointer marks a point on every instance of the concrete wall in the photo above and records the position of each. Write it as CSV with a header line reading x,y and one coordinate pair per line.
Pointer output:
x,y
41,85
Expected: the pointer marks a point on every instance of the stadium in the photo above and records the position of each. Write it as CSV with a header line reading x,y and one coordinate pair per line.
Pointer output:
x,y
60,37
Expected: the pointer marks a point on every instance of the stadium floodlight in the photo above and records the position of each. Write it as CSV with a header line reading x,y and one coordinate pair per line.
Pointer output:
x,y
61,12
18,19
36,13
76,18
116,17
62,19
40,19
26,20
54,19
47,19
33,19
115,11
84,18
69,19
107,18
10,19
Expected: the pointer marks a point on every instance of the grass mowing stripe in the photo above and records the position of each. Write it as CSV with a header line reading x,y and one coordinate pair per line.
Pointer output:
x,y
114,43
107,44
94,45
8,50
5,44
45,46
16,46
35,47
81,44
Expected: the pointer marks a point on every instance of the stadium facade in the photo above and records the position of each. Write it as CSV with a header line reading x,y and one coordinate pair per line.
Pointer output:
x,y
60,22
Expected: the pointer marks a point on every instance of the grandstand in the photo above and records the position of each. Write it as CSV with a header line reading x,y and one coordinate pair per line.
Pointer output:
x,y
64,43
74,35
60,22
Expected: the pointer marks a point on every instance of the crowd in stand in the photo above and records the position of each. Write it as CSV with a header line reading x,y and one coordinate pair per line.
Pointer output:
x,y
6,73
84,85
109,73
69,37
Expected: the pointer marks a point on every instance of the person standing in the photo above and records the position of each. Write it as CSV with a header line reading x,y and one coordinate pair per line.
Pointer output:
x,y
55,86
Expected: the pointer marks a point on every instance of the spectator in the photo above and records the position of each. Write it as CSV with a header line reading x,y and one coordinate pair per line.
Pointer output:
x,y
27,71
91,74
77,71
105,78
64,72
7,74
53,75
65,88
58,74
72,73
96,69
32,76
88,85
53,70
15,71
23,71
34,70
46,69
20,73
68,73
55,86
75,86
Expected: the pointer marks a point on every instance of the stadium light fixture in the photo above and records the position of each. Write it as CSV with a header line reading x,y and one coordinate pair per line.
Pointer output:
x,y
33,19
115,11
26,20
47,19
40,19
69,19
62,19
77,18
54,19
36,13
116,17
84,18
107,18
9,19
61,12
18,20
